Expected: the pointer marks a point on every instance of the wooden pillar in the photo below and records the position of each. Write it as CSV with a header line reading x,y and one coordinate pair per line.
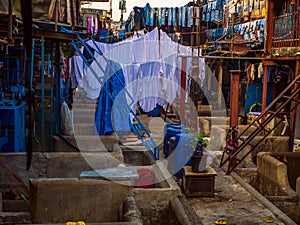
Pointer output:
x,y
294,113
265,88
10,20
269,20
183,90
234,97
195,73
266,64
220,81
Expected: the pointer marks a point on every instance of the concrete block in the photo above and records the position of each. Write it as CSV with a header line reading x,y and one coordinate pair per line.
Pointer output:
x,y
273,176
68,165
217,138
86,143
1,203
298,187
154,202
14,206
84,129
15,218
89,200
204,126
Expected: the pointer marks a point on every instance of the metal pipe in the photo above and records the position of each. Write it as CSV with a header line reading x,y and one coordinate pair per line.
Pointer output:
x,y
224,57
43,94
276,211
179,211
290,198
57,94
51,95
182,90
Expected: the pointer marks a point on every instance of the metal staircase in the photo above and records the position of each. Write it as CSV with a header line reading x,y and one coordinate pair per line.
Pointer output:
x,y
289,95
137,127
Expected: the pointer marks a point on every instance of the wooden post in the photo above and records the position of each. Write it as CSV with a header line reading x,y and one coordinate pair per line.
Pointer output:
x,y
234,97
266,64
195,73
182,90
10,20
294,112
220,79
269,20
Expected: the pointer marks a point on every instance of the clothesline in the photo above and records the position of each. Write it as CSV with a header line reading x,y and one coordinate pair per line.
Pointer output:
x,y
151,71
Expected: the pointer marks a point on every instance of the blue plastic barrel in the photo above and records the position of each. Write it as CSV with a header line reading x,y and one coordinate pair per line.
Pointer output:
x,y
183,150
170,130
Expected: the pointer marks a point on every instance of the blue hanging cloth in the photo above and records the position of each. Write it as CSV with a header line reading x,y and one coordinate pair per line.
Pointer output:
x,y
112,115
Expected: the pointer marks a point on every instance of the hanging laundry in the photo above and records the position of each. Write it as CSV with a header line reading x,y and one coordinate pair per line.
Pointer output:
x,y
204,8
109,117
251,5
163,16
189,16
208,12
174,17
147,9
96,25
197,16
260,70
76,66
252,73
151,17
170,16
183,16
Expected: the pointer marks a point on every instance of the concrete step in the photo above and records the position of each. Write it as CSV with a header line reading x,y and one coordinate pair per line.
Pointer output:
x,y
85,143
14,206
84,119
15,218
84,129
84,106
84,101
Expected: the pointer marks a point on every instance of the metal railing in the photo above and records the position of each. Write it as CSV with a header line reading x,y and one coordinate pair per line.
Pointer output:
x,y
286,30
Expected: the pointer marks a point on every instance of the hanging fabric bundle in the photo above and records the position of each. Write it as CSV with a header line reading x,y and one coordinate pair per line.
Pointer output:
x,y
231,140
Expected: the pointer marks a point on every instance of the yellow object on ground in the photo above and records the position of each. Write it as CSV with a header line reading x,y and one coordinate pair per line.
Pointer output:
x,y
268,220
220,222
75,223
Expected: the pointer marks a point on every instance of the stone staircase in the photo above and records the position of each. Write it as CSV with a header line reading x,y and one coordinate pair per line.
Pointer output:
x,y
13,209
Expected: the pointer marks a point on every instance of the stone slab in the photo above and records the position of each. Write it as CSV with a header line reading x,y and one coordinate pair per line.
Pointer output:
x,y
117,173
89,200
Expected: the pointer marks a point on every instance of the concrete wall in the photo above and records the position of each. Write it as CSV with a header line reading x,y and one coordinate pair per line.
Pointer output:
x,y
86,143
272,176
50,165
72,199
154,202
